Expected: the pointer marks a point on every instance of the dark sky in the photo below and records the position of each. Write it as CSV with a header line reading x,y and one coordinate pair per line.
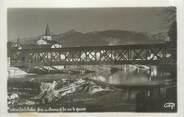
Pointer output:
x,y
32,22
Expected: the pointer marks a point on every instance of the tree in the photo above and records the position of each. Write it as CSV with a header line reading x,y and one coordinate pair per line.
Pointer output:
x,y
170,22
173,34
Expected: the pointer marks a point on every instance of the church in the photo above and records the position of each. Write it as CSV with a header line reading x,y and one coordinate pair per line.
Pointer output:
x,y
46,39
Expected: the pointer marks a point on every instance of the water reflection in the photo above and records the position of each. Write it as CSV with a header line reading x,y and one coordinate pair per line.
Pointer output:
x,y
130,75
145,85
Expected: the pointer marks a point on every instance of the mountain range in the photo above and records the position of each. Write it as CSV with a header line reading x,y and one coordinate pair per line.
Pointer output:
x,y
74,38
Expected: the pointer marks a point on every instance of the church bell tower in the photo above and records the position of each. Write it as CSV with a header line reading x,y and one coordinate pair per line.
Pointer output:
x,y
47,35
46,38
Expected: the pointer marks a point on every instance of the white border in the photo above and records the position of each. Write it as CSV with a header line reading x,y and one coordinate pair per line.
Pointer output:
x,y
4,4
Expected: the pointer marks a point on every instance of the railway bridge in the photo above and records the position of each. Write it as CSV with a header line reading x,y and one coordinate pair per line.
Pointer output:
x,y
143,54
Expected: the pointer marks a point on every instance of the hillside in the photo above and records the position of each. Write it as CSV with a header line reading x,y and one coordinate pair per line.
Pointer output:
x,y
109,37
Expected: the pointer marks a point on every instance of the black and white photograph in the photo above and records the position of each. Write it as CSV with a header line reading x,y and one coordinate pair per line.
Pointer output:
x,y
121,59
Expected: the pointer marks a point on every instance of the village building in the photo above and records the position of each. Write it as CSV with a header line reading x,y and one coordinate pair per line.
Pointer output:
x,y
18,44
46,39
15,45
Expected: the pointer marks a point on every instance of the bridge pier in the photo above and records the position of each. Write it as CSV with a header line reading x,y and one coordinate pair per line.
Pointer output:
x,y
154,71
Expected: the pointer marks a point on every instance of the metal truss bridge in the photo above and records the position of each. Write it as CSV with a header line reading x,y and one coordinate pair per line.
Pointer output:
x,y
144,54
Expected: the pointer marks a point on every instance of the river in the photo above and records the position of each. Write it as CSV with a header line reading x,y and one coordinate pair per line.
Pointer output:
x,y
126,88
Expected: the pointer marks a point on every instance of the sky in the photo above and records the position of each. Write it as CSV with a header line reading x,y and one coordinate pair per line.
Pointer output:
x,y
30,22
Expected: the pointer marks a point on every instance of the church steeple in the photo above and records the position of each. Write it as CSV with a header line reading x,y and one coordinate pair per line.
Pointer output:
x,y
47,31
18,43
46,37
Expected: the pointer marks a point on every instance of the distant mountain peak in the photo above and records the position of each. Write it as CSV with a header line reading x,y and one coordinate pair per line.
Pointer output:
x,y
72,31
